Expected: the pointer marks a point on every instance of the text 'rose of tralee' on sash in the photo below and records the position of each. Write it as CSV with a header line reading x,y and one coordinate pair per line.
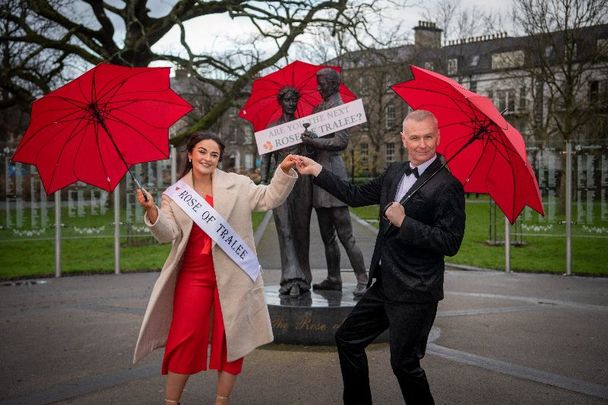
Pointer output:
x,y
214,225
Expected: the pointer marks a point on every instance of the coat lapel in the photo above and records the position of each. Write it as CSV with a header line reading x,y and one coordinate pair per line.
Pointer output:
x,y
427,173
183,220
396,180
224,193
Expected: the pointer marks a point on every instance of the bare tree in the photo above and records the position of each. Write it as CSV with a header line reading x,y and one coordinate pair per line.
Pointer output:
x,y
60,34
563,60
458,21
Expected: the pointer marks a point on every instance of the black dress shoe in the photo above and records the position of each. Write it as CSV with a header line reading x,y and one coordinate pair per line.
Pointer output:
x,y
328,285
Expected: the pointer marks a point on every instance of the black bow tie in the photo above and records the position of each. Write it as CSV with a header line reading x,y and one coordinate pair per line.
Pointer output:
x,y
409,170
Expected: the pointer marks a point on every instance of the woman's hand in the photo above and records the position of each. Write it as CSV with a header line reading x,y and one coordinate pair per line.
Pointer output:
x,y
147,204
288,163
307,166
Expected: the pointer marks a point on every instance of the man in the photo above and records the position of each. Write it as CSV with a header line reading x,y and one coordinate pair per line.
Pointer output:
x,y
333,215
408,259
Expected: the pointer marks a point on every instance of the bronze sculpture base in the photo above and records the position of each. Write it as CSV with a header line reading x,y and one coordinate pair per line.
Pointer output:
x,y
311,318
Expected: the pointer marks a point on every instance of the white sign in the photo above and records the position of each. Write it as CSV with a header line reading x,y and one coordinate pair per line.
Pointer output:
x,y
322,123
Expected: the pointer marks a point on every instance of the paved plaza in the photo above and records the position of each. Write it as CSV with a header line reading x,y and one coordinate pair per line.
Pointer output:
x,y
498,339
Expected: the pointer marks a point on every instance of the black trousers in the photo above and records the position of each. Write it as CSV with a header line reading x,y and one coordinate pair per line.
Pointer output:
x,y
409,323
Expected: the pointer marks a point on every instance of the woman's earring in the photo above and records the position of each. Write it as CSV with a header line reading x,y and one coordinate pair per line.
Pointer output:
x,y
189,160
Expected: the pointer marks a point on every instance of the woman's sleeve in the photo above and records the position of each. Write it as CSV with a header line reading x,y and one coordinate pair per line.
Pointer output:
x,y
266,197
165,228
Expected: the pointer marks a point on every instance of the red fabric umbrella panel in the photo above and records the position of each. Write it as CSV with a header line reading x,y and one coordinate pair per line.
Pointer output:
x,y
98,125
263,107
489,155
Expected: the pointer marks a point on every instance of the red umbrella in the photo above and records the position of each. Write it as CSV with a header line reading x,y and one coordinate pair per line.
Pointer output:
x,y
492,154
98,125
262,107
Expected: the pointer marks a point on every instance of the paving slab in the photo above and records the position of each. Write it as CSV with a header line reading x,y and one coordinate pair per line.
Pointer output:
x,y
498,339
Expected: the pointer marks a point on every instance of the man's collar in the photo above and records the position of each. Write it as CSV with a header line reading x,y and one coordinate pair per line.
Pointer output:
x,y
422,167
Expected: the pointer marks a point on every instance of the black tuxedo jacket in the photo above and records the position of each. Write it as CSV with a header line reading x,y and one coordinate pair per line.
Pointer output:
x,y
409,261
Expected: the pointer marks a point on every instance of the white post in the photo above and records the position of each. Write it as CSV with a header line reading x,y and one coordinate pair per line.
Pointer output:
x,y
568,208
117,229
507,245
58,233
7,179
173,164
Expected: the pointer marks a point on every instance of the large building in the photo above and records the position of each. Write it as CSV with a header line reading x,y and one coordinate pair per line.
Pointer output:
x,y
241,151
520,74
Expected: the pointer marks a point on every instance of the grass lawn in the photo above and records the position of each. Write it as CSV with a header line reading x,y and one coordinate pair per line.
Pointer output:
x,y
34,256
540,253
25,256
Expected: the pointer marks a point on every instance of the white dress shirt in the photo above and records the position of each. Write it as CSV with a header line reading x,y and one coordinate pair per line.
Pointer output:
x,y
407,182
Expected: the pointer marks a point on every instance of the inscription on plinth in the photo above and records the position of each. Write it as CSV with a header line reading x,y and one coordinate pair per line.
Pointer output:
x,y
312,318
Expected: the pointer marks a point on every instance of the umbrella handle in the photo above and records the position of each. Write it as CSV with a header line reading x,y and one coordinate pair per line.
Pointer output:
x,y
139,186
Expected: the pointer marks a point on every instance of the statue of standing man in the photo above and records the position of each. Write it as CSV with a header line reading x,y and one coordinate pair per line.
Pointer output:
x,y
333,214
292,218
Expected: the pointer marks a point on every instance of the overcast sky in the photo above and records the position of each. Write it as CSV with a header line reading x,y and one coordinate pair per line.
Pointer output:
x,y
214,32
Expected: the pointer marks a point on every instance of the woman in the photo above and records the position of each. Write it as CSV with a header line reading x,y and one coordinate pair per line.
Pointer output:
x,y
202,296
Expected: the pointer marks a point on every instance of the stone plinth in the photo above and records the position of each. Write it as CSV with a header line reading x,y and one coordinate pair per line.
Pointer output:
x,y
313,317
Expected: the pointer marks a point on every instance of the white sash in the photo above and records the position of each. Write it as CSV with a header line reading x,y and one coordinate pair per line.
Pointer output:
x,y
214,225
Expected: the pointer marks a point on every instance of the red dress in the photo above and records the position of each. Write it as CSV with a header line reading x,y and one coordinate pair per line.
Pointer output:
x,y
196,299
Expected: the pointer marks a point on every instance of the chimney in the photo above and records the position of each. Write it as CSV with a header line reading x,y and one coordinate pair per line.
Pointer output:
x,y
427,35
181,74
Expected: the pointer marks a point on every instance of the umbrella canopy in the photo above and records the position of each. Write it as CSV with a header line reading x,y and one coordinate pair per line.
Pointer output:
x,y
491,153
99,124
263,107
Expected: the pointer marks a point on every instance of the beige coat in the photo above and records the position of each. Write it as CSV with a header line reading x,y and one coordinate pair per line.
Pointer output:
x,y
244,309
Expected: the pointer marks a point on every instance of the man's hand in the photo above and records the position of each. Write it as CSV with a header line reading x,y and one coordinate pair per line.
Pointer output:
x,y
288,163
307,166
395,213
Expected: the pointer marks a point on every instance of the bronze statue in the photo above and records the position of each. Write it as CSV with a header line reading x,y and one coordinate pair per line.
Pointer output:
x,y
333,214
292,218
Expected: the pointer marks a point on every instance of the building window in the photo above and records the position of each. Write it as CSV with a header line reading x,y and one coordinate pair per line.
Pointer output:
x,y
474,60
233,133
364,155
506,60
570,51
389,153
473,86
390,116
594,91
505,100
452,66
248,161
598,91
429,66
602,46
549,51
523,98
247,135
